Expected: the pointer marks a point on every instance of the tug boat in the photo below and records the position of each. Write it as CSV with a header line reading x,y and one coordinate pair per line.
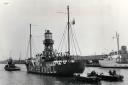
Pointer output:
x,y
49,62
11,66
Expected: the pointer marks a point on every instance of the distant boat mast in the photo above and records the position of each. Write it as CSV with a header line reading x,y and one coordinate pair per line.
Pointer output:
x,y
117,37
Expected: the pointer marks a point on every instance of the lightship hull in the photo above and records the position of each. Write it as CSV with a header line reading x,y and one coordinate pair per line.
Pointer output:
x,y
60,69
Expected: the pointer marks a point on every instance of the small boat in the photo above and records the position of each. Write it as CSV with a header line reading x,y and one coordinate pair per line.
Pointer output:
x,y
88,79
11,66
111,76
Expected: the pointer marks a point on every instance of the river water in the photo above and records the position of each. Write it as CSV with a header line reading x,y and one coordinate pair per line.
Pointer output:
x,y
24,78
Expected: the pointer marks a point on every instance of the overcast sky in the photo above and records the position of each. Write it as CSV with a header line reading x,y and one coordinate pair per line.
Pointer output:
x,y
97,21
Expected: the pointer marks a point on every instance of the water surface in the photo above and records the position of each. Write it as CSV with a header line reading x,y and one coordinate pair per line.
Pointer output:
x,y
24,78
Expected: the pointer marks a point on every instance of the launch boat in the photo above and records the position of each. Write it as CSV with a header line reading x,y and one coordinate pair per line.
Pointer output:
x,y
51,63
87,78
11,66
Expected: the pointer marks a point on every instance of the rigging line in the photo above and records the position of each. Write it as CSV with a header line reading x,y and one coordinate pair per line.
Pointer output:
x,y
38,36
78,46
63,36
39,26
73,45
34,45
36,25
64,43
65,39
27,48
77,42
73,41
61,43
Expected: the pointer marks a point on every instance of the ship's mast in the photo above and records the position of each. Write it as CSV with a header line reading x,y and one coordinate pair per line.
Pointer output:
x,y
68,30
117,37
30,43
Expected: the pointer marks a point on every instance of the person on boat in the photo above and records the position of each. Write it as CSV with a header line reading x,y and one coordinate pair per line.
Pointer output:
x,y
110,72
93,73
114,72
11,63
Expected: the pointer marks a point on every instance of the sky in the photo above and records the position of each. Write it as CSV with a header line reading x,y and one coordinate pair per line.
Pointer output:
x,y
96,23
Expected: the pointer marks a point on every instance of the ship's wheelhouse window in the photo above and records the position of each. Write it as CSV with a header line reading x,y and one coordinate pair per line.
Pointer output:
x,y
48,36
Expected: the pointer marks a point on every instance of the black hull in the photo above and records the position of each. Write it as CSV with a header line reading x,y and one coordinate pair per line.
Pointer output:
x,y
67,69
12,68
111,78
88,79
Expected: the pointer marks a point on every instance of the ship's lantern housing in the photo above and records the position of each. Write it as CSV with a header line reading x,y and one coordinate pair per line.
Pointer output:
x,y
48,38
48,35
48,42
